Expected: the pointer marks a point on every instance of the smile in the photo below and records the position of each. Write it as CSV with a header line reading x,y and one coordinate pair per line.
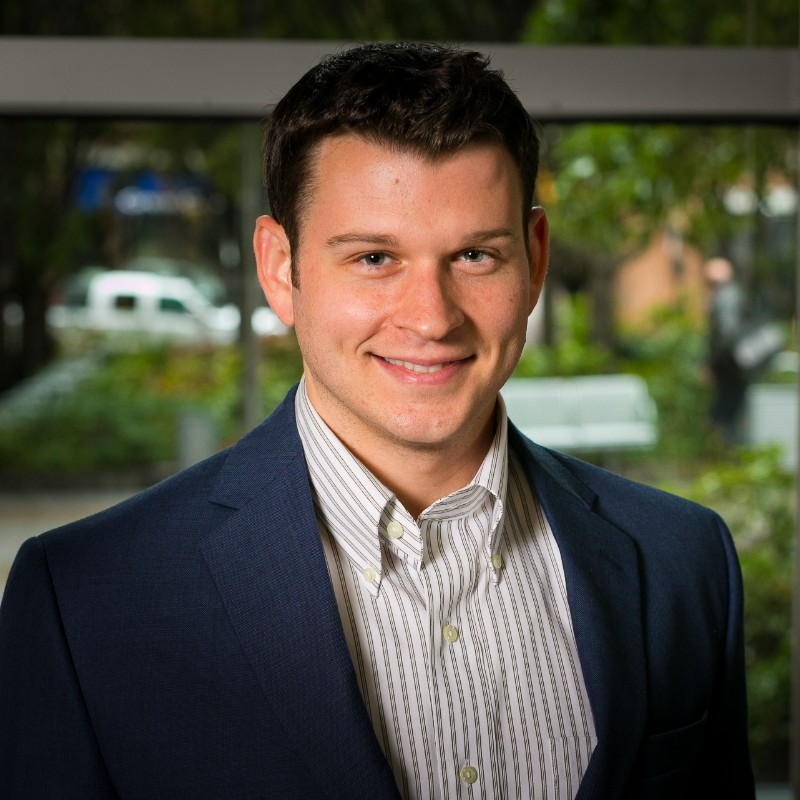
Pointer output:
x,y
421,368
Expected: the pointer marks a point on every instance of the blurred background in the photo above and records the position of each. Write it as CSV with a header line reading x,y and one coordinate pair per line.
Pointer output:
x,y
133,341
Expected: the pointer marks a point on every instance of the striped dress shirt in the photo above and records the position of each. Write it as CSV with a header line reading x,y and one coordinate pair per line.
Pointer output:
x,y
458,626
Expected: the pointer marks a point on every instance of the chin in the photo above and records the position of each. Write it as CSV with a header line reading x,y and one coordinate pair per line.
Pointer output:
x,y
425,437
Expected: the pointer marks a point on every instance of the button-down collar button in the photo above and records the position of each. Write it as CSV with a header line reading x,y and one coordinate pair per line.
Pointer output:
x,y
450,633
468,774
370,574
395,530
497,561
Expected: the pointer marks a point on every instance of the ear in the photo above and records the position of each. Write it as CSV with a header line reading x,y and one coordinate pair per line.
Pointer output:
x,y
539,245
274,264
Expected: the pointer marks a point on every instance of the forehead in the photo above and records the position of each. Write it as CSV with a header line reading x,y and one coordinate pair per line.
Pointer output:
x,y
348,162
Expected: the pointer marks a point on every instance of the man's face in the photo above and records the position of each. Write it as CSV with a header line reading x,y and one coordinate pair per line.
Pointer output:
x,y
414,291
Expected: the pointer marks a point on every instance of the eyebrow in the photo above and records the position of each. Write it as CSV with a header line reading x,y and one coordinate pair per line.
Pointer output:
x,y
376,239
386,240
492,233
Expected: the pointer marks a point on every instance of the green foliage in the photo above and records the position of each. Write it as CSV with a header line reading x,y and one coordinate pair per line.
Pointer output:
x,y
574,353
757,500
611,186
280,369
663,22
669,353
300,19
99,428
126,414
564,359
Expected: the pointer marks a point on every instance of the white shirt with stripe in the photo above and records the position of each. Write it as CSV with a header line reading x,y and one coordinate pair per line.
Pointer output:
x,y
458,625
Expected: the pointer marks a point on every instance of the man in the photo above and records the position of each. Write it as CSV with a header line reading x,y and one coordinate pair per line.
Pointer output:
x,y
726,325
384,590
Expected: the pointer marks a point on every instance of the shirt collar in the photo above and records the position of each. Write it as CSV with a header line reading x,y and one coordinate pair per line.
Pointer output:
x,y
359,511
491,478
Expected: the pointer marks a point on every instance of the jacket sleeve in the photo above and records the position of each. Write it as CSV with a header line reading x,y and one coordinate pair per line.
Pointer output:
x,y
726,770
48,748
709,757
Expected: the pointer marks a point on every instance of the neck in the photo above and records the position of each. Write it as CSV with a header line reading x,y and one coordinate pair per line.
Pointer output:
x,y
419,476
417,472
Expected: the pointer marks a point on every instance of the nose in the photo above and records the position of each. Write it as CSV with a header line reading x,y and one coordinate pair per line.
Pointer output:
x,y
428,304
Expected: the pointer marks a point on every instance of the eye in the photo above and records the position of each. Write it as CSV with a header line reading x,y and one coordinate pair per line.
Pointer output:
x,y
374,259
474,256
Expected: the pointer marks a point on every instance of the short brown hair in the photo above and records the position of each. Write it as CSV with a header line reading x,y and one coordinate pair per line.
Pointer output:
x,y
427,98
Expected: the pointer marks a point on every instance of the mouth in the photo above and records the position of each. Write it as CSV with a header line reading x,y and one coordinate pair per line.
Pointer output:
x,y
429,367
422,369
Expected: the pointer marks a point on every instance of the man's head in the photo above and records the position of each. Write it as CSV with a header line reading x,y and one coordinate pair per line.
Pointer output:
x,y
403,248
718,271
431,100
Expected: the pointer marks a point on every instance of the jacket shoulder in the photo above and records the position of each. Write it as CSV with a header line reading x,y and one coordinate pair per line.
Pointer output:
x,y
182,508
657,520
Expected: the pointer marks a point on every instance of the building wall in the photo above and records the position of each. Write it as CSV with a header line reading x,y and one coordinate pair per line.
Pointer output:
x,y
665,274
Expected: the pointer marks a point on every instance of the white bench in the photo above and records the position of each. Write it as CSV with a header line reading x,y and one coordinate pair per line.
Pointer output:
x,y
584,413
771,411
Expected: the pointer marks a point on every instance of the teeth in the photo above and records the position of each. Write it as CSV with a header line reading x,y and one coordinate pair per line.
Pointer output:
x,y
415,367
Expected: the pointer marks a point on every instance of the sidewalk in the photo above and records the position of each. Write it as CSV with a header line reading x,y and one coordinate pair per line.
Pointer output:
x,y
28,513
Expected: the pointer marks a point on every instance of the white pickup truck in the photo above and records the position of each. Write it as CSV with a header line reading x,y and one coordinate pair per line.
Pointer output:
x,y
125,303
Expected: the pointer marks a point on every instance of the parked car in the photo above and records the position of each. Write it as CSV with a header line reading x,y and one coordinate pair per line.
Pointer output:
x,y
151,306
204,277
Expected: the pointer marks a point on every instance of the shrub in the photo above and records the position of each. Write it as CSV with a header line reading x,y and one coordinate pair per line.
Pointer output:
x,y
125,414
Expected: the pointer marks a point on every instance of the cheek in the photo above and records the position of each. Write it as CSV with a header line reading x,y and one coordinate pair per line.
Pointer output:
x,y
336,314
506,315
364,311
505,324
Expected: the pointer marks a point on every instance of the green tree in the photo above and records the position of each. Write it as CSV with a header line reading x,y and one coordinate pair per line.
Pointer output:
x,y
609,187
767,23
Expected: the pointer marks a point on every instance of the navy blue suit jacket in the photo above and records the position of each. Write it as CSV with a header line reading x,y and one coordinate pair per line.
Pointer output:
x,y
186,643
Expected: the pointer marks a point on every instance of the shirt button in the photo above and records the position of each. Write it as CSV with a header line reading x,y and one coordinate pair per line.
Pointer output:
x,y
468,774
450,633
497,561
370,574
395,530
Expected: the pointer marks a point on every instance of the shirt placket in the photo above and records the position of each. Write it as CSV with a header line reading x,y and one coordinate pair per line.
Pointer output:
x,y
460,683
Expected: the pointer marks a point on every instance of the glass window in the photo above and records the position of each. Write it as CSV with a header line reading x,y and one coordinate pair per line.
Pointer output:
x,y
172,305
125,302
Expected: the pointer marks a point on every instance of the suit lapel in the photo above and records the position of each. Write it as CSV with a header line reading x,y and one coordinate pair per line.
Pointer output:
x,y
602,574
269,567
